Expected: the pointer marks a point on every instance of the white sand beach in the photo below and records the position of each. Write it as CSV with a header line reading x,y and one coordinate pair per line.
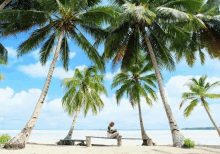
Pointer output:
x,y
43,142
32,148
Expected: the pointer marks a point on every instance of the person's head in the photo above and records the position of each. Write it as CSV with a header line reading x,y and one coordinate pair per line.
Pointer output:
x,y
112,124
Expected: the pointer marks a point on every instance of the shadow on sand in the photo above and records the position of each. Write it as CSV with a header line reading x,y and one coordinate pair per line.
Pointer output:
x,y
32,143
210,146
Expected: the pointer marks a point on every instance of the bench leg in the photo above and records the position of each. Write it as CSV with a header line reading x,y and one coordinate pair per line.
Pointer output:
x,y
82,143
119,142
144,142
88,141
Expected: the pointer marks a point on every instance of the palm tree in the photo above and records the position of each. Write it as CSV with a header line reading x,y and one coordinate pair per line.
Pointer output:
x,y
58,21
83,93
207,38
3,4
151,25
136,84
3,58
19,5
199,92
3,50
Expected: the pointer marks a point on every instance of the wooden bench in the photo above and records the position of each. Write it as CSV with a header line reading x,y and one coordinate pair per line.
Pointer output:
x,y
119,142
72,141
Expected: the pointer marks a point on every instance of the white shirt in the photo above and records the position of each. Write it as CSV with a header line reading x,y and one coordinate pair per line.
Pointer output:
x,y
108,129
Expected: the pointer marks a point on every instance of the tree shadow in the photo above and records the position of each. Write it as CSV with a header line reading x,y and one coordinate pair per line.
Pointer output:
x,y
209,150
32,143
161,151
210,146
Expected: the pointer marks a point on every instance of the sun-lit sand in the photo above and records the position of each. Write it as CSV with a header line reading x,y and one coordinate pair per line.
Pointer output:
x,y
32,148
43,142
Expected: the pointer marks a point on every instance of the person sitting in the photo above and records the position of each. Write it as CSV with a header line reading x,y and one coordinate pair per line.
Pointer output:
x,y
112,133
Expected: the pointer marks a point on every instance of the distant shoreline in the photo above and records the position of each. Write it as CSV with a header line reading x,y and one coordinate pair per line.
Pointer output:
x,y
200,128
90,129
195,128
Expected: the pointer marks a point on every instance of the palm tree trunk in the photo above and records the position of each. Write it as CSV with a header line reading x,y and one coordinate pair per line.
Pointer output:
x,y
143,133
4,4
21,139
69,135
216,126
178,138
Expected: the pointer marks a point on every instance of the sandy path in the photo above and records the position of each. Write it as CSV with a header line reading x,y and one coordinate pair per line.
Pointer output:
x,y
54,149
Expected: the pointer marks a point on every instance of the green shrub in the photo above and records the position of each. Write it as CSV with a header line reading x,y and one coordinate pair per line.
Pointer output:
x,y
4,138
189,143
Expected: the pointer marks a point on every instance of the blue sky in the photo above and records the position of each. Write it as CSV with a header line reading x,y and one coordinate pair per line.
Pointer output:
x,y
25,79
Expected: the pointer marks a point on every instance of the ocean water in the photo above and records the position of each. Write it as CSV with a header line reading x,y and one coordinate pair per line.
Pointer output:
x,y
160,137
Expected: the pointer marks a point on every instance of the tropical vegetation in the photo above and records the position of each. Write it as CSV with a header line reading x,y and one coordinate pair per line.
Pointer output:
x,y
152,26
204,39
57,21
82,94
4,138
199,92
136,82
165,30
189,143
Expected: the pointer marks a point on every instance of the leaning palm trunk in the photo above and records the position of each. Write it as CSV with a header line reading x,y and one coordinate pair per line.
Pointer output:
x,y
21,139
216,126
4,4
143,133
69,135
178,138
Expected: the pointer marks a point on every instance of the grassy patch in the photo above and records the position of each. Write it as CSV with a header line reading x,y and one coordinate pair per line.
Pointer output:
x,y
189,143
4,138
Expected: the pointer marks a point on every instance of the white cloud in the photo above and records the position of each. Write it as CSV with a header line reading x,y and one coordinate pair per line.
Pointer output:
x,y
11,52
55,106
37,70
110,76
13,104
72,54
81,67
1,119
21,106
36,54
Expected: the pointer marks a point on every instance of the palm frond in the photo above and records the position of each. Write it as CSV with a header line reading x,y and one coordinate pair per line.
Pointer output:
x,y
120,92
2,77
183,101
3,55
92,53
190,108
213,85
212,96
64,52
47,49
35,40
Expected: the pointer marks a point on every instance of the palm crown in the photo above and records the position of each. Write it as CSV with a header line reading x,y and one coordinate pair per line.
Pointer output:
x,y
209,37
162,20
83,91
136,83
204,38
199,92
54,16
